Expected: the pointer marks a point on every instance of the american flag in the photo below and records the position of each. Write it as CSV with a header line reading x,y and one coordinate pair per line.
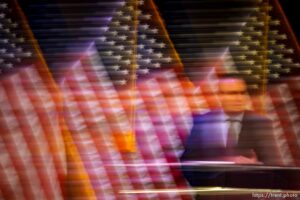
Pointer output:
x,y
33,162
269,39
14,49
94,116
98,118
136,43
288,115
129,134
88,124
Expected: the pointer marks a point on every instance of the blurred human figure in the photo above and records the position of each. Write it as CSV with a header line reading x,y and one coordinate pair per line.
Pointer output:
x,y
233,133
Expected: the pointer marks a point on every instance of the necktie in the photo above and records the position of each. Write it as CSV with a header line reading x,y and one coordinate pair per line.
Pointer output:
x,y
232,134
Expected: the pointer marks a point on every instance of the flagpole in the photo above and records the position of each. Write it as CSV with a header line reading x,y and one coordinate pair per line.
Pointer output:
x,y
264,80
133,76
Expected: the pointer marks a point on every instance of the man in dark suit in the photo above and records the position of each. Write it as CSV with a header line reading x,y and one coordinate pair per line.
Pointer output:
x,y
231,134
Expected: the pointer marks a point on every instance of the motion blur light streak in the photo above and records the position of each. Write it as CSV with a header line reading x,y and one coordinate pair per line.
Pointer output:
x,y
216,191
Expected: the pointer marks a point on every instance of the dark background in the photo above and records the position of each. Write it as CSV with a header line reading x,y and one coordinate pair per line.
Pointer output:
x,y
290,7
292,11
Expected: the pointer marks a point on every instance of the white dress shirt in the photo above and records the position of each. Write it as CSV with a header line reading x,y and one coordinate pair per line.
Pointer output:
x,y
237,126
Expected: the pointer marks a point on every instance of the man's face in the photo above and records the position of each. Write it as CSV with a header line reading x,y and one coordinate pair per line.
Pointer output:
x,y
233,95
